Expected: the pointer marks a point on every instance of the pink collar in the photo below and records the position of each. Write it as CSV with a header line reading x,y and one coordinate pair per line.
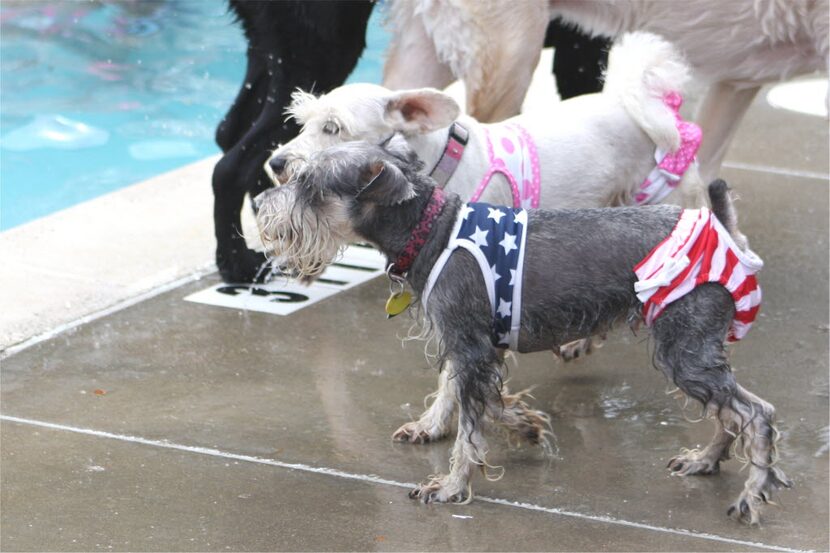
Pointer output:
x,y
449,160
420,233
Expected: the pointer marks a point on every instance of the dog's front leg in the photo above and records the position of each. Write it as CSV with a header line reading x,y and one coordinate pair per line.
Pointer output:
x,y
411,46
468,454
460,309
476,380
434,423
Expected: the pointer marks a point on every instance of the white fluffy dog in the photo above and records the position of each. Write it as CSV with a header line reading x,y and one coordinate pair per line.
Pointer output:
x,y
591,151
493,45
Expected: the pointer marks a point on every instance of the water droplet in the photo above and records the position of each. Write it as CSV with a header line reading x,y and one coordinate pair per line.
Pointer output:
x,y
249,86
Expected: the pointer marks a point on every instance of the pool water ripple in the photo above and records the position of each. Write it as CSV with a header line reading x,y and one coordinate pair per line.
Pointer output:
x,y
111,93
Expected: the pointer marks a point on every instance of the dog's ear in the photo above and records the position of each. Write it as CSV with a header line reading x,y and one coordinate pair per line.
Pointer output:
x,y
385,185
420,111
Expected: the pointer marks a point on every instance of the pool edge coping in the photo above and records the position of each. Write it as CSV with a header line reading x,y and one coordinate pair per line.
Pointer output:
x,y
96,257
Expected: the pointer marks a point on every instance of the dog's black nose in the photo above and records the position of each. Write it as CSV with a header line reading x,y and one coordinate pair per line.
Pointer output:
x,y
277,164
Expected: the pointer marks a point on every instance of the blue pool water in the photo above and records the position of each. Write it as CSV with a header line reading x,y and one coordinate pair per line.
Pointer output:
x,y
100,95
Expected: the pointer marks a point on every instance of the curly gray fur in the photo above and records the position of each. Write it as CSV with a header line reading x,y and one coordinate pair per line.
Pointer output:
x,y
578,282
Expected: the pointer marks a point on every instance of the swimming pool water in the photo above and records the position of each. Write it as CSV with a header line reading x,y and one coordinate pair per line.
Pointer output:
x,y
100,95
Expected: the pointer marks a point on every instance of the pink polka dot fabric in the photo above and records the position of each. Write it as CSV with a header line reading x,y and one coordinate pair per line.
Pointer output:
x,y
512,153
671,166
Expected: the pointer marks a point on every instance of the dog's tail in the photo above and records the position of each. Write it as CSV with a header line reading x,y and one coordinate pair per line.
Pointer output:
x,y
724,210
642,69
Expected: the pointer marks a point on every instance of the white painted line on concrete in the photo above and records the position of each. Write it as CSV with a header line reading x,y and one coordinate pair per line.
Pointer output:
x,y
383,481
776,170
16,348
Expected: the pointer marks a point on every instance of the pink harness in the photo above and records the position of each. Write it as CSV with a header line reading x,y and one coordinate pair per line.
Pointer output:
x,y
512,153
670,168
699,250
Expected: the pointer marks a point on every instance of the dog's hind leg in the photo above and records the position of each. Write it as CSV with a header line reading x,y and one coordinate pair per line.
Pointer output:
x,y
707,460
758,437
719,116
689,349
434,423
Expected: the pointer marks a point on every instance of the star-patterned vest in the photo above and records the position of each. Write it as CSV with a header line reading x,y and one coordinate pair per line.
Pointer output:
x,y
495,236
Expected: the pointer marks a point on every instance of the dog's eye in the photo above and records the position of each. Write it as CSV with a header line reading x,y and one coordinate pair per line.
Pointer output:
x,y
331,128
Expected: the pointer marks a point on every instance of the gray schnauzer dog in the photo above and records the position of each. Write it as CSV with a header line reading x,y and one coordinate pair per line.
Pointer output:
x,y
577,282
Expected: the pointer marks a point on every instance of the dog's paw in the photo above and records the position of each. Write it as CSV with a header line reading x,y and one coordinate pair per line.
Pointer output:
x,y
694,462
526,424
442,489
747,508
579,348
242,265
416,432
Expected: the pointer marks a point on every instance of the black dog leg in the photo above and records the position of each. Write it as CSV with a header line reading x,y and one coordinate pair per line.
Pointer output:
x,y
292,44
579,59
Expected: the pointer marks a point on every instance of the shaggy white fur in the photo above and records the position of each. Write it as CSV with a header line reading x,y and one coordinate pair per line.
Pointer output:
x,y
736,45
452,38
594,150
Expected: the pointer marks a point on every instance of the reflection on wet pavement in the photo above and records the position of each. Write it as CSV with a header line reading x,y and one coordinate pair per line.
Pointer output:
x,y
326,386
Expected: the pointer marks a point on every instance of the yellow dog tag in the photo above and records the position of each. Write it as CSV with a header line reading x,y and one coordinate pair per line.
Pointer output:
x,y
397,303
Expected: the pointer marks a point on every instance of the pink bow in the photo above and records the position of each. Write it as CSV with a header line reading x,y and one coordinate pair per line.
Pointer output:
x,y
690,136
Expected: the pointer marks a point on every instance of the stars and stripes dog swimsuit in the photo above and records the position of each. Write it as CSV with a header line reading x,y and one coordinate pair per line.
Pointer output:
x,y
699,250
495,235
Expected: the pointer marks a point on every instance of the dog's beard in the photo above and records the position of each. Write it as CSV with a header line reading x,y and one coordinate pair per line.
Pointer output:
x,y
302,240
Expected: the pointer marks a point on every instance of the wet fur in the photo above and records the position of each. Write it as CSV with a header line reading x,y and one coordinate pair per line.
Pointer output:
x,y
291,44
578,283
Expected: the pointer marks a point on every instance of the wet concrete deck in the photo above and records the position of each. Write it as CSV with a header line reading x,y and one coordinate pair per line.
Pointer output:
x,y
214,429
